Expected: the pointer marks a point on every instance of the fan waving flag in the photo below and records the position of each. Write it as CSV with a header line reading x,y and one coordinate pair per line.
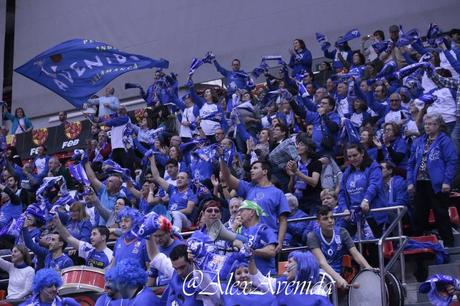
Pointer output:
x,y
78,68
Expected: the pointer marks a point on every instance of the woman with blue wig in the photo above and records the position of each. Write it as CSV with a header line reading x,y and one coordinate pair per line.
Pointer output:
x,y
45,290
301,285
130,245
239,290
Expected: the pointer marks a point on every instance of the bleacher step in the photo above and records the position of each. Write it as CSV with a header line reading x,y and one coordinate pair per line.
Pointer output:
x,y
449,269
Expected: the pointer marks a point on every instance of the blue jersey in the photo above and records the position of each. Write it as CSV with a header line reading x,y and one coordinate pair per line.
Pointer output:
x,y
178,200
332,250
144,206
145,297
105,300
271,199
177,296
200,168
59,263
260,235
93,257
133,249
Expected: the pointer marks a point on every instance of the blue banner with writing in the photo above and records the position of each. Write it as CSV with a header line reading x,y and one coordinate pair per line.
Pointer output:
x,y
78,68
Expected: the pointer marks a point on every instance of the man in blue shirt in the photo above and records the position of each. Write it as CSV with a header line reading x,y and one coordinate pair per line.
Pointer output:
x,y
129,245
53,257
262,239
96,253
235,79
182,199
109,192
271,199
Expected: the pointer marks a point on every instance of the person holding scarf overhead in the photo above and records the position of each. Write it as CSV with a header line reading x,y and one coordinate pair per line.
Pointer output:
x,y
301,59
235,79
431,170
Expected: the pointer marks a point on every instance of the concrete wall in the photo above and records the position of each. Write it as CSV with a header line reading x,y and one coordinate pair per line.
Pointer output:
x,y
180,30
2,38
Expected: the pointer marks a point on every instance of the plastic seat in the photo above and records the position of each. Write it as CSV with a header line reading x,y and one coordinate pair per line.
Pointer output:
x,y
281,267
453,215
388,249
429,238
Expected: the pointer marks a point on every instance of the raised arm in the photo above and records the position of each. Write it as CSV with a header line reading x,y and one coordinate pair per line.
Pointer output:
x,y
156,174
64,233
227,177
92,176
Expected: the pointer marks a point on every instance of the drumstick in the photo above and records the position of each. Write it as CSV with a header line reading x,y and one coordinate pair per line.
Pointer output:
x,y
354,285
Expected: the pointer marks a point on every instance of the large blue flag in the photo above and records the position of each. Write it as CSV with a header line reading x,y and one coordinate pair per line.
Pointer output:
x,y
78,68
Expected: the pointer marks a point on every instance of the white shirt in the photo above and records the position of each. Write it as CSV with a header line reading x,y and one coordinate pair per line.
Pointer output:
x,y
208,126
20,280
116,137
187,116
444,105
40,164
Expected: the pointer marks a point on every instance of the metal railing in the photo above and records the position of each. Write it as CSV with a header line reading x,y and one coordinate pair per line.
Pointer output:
x,y
401,211
398,253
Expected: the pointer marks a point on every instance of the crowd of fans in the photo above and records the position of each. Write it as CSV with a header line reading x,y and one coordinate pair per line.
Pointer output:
x,y
373,128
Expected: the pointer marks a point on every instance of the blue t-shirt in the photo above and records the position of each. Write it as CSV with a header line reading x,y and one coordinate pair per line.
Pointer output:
x,y
271,199
178,200
260,235
181,295
105,300
134,249
145,297
93,257
108,201
59,263
356,187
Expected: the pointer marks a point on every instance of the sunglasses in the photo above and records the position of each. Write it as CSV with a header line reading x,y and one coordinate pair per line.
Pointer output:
x,y
210,210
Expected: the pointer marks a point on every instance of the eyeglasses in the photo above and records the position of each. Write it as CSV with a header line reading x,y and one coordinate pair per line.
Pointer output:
x,y
210,210
395,100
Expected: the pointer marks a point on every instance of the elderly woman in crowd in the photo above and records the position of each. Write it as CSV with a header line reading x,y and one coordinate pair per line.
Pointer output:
x,y
430,174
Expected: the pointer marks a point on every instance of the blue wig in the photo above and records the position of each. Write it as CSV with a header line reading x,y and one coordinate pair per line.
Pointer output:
x,y
110,274
128,273
307,266
132,213
46,278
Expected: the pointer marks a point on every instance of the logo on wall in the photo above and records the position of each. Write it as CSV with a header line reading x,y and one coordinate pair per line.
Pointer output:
x,y
39,136
72,130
